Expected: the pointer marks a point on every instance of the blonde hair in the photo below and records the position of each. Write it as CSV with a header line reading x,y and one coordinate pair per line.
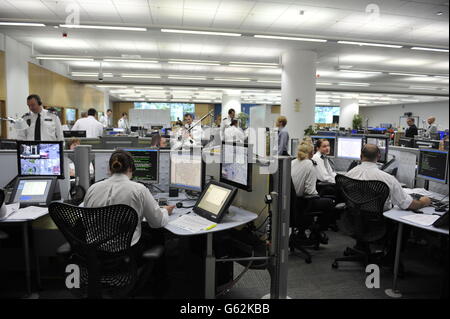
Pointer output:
x,y
282,120
304,150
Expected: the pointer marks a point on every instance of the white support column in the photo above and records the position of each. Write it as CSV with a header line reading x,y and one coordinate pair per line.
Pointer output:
x,y
231,101
298,90
349,107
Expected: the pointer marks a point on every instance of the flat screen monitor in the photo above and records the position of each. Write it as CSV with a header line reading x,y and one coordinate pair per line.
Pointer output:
x,y
37,158
383,144
34,191
235,165
146,162
349,147
187,170
326,133
68,134
294,146
71,115
426,143
215,201
8,144
433,165
377,130
406,142
330,139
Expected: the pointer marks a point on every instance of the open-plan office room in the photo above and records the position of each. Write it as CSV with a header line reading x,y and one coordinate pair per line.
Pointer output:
x,y
227,150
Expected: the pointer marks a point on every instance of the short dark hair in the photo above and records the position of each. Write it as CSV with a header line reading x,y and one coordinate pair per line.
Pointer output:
x,y
108,110
92,112
189,114
320,141
36,97
230,111
120,162
124,113
370,152
234,122
411,119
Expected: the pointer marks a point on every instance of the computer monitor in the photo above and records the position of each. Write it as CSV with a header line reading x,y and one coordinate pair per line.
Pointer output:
x,y
383,144
424,143
326,133
215,201
146,161
294,146
349,147
330,139
236,166
68,134
33,191
433,165
37,158
8,144
187,170
377,130
406,142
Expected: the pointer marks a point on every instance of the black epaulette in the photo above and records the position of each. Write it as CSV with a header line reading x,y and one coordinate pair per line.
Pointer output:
x,y
26,114
314,162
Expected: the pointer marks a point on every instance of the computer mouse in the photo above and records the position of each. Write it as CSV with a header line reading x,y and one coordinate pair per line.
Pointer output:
x,y
179,205
418,211
440,209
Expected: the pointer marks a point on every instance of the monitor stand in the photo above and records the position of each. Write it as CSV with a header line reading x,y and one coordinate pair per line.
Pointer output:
x,y
57,192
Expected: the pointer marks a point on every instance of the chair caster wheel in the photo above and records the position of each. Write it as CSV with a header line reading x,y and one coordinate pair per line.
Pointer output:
x,y
334,265
308,260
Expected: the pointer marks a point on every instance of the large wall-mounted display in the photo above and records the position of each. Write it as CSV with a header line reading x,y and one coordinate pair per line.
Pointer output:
x,y
324,114
177,110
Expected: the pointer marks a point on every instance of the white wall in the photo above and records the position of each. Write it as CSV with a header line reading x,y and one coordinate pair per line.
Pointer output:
x,y
392,113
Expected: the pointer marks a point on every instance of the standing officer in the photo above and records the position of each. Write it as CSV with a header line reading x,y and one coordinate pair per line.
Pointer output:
x,y
41,125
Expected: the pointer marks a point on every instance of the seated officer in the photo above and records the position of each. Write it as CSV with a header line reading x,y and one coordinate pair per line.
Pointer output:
x,y
325,172
119,189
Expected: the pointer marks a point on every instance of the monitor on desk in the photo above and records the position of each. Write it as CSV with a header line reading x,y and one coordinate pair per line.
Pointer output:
x,y
146,162
383,144
349,147
37,158
33,191
215,201
330,139
68,134
8,144
294,146
236,166
433,165
406,142
187,170
425,143
326,133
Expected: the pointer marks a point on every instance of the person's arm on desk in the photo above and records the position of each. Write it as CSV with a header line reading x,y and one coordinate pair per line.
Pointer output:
x,y
421,203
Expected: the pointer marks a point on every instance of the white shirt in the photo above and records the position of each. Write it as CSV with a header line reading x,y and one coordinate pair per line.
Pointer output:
x,y
106,121
191,138
324,170
123,123
119,189
304,177
370,171
50,127
226,123
234,134
89,124
3,211
432,128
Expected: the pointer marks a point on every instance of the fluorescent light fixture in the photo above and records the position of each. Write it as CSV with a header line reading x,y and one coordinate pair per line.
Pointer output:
x,y
111,86
231,79
408,74
422,88
22,24
130,61
441,76
106,75
429,49
407,100
288,38
372,44
269,81
324,83
226,34
197,62
353,84
364,72
181,77
65,58
254,65
101,27
149,87
142,76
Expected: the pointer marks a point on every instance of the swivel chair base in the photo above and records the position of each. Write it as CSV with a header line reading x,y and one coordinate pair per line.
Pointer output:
x,y
364,256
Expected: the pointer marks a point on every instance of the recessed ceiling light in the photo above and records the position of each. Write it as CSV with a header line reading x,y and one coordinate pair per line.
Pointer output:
x,y
353,84
408,74
232,79
372,44
130,60
22,24
227,34
100,27
199,62
288,38
64,58
429,49
143,76
180,77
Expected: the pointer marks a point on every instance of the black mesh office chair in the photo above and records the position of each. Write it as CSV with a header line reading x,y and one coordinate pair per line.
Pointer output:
x,y
364,218
99,242
303,219
3,235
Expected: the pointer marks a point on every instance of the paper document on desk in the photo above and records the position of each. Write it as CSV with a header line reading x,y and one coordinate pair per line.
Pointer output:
x,y
29,213
192,223
422,219
11,209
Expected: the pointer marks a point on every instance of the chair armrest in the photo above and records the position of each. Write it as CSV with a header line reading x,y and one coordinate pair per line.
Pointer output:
x,y
3,235
308,197
153,253
64,250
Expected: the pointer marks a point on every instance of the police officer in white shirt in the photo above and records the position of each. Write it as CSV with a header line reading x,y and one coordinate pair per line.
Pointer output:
x,y
234,133
40,124
89,124
107,120
123,122
432,126
368,170
191,135
325,172
226,123
119,189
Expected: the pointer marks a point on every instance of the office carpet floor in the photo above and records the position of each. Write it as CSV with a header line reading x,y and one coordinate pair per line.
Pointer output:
x,y
423,277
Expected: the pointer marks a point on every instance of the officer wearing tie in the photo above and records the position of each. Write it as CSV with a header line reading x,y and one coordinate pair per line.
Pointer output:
x,y
41,125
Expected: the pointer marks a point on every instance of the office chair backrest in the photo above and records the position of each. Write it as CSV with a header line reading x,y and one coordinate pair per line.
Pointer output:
x,y
2,197
100,239
365,205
